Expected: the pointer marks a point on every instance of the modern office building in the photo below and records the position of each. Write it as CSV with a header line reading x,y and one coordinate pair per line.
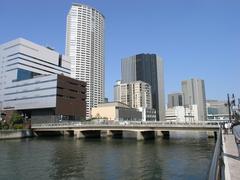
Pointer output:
x,y
35,80
217,110
175,99
116,111
85,47
194,93
147,68
188,114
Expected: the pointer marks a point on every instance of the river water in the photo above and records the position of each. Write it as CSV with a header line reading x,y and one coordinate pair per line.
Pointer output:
x,y
180,157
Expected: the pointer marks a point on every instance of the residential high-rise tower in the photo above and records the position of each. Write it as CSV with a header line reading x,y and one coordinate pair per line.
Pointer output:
x,y
85,47
136,94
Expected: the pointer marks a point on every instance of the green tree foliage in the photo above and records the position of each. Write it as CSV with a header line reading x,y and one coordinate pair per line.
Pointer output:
x,y
16,119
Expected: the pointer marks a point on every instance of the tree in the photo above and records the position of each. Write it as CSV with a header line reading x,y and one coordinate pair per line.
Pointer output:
x,y
16,119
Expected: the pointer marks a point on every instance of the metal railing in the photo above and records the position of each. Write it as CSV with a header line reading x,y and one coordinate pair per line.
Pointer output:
x,y
205,124
216,171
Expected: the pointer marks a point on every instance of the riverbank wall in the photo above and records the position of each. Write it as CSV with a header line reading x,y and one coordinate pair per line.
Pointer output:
x,y
15,134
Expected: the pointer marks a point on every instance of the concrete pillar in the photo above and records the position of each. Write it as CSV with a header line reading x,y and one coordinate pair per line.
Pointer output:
x,y
210,134
68,133
159,133
139,135
106,133
109,133
78,134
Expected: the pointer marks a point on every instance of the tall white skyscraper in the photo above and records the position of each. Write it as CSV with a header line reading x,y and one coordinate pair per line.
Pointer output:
x,y
194,93
85,47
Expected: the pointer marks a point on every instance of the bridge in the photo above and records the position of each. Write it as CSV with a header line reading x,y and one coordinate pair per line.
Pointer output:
x,y
133,129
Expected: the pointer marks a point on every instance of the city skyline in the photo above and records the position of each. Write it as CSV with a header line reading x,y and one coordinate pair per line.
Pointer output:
x,y
195,39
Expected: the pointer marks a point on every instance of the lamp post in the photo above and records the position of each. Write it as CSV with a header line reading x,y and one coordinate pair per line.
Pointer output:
x,y
229,108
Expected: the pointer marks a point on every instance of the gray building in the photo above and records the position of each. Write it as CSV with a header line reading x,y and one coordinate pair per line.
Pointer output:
x,y
116,92
147,68
175,99
194,93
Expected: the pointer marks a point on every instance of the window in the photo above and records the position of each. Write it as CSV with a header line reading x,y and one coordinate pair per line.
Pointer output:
x,y
24,74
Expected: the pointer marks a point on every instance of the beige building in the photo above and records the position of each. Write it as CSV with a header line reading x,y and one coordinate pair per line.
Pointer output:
x,y
116,111
135,94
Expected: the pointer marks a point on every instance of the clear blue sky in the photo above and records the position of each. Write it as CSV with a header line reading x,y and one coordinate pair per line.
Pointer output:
x,y
195,38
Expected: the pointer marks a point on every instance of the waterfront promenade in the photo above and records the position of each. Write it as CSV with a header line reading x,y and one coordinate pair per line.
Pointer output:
x,y
230,154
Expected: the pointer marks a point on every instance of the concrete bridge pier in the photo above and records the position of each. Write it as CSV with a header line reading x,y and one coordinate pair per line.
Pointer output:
x,y
78,134
68,133
139,135
87,133
212,134
158,134
106,133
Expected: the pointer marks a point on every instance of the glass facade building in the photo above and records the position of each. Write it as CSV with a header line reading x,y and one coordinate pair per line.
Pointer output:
x,y
147,68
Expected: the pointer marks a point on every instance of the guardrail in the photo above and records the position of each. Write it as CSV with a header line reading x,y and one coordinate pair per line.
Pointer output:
x,y
216,171
206,124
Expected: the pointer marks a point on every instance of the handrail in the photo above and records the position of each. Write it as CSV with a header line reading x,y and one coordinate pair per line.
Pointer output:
x,y
126,124
216,171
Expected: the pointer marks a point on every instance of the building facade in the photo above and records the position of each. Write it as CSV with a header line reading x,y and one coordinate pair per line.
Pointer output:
x,y
187,114
147,68
194,93
85,47
175,99
135,94
116,91
34,79
217,110
116,111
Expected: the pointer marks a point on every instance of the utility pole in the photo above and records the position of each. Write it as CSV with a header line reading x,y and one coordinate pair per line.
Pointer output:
x,y
229,108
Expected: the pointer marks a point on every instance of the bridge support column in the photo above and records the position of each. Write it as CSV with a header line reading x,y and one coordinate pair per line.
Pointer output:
x,y
68,133
210,134
106,133
139,135
78,134
158,133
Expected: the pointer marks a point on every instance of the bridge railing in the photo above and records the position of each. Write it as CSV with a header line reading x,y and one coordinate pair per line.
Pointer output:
x,y
127,124
216,171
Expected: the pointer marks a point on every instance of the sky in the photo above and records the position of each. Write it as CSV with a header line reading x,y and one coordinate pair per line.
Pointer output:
x,y
195,38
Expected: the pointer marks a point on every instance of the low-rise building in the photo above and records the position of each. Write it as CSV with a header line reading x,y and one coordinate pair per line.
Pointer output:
x,y
116,111
182,113
148,114
217,110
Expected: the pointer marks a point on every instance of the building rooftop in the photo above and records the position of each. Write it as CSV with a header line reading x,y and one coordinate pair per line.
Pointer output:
x,y
115,103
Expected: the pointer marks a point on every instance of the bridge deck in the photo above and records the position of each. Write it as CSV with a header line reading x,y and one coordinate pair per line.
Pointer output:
x,y
232,164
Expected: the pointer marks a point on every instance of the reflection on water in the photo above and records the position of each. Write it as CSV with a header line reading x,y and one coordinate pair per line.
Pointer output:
x,y
183,156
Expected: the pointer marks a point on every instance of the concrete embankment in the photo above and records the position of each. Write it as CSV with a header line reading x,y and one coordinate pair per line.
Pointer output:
x,y
13,134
